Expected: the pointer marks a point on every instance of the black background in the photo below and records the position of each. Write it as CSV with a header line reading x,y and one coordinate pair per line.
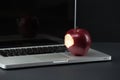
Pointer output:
x,y
101,18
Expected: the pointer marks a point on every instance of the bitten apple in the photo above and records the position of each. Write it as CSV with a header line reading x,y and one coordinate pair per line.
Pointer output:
x,y
77,41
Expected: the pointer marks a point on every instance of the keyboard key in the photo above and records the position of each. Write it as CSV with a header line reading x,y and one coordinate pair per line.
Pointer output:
x,y
32,50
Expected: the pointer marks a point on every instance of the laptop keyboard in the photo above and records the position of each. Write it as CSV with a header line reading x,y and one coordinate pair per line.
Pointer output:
x,y
20,51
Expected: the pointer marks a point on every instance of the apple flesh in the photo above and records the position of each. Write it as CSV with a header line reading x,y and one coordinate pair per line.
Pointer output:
x,y
77,41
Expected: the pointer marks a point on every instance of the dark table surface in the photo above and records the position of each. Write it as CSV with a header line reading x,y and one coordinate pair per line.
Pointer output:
x,y
87,71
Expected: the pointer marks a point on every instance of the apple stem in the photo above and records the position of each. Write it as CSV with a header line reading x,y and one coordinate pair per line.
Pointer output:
x,y
75,14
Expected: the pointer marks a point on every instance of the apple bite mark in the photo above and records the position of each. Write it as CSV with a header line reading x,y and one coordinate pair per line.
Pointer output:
x,y
77,41
68,40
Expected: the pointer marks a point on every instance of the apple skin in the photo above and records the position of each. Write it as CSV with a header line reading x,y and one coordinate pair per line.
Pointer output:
x,y
81,41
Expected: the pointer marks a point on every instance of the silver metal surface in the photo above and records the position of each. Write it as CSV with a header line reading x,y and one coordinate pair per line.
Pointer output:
x,y
75,14
51,59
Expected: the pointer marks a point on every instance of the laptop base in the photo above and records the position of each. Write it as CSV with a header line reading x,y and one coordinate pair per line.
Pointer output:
x,y
51,59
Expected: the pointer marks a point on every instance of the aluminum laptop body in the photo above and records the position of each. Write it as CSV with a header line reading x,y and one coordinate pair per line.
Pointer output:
x,y
30,56
51,59
32,34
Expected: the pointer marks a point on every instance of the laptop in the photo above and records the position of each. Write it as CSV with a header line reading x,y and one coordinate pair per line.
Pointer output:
x,y
33,34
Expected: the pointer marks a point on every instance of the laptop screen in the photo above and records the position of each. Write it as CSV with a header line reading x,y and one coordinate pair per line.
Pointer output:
x,y
26,22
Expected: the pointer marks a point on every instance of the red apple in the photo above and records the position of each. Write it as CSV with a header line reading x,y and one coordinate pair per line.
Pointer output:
x,y
77,41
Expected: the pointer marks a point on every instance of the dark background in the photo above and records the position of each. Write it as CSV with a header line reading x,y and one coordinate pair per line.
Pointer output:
x,y
101,18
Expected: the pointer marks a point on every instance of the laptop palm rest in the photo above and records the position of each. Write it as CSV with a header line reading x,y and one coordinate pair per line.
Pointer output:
x,y
51,59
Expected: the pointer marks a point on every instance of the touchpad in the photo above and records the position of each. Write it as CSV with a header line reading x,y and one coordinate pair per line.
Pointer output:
x,y
52,57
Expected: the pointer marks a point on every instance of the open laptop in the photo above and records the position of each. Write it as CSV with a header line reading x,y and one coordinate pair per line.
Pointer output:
x,y
31,34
